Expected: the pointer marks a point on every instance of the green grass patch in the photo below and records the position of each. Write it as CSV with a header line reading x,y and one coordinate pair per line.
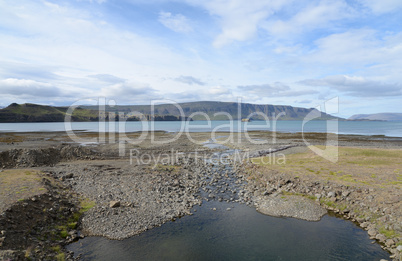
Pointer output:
x,y
72,225
61,257
64,233
86,205
388,233
328,203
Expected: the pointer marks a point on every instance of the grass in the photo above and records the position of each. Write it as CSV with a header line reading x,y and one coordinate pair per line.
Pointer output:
x,y
20,184
60,255
388,233
86,205
355,166
298,194
72,225
328,203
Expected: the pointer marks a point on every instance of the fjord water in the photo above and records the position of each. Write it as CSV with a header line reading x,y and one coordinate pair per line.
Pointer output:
x,y
387,128
240,233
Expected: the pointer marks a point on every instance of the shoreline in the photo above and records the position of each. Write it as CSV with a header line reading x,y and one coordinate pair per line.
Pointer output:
x,y
158,195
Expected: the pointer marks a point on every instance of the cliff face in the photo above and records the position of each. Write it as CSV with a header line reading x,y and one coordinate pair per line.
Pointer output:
x,y
220,110
164,112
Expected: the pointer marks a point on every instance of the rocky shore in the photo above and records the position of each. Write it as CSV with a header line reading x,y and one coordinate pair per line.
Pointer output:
x,y
129,199
368,207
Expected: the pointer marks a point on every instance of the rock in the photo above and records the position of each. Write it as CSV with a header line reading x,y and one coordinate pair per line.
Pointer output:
x,y
399,248
318,196
381,237
114,204
389,242
228,209
69,176
345,194
331,194
372,232
364,225
7,254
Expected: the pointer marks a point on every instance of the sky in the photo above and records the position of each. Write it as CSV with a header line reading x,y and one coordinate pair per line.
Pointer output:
x,y
283,52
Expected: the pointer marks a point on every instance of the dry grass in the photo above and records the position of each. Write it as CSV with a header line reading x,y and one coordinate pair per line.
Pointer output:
x,y
9,137
376,167
18,184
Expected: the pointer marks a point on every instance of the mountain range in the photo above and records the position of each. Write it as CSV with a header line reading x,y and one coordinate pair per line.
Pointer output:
x,y
385,116
29,112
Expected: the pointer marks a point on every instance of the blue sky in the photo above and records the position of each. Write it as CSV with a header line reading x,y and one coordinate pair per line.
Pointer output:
x,y
298,53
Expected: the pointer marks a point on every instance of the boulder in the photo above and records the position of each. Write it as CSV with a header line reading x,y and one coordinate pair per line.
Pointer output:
x,y
114,204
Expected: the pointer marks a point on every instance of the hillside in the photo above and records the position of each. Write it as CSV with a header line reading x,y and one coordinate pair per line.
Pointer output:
x,y
41,113
164,112
386,116
210,108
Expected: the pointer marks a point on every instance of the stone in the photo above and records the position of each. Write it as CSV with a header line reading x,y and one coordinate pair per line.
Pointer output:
x,y
345,193
114,204
364,225
389,242
399,248
381,237
331,194
318,196
372,232
69,176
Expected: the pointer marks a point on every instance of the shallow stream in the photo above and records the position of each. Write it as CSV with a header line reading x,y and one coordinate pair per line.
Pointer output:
x,y
221,230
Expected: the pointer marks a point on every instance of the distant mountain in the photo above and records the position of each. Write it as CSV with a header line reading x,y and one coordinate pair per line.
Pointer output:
x,y
29,112
165,112
217,110
386,116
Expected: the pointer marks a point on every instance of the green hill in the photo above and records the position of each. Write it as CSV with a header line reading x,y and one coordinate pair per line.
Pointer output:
x,y
41,113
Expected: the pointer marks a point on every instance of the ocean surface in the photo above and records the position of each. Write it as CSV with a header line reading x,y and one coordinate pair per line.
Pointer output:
x,y
387,128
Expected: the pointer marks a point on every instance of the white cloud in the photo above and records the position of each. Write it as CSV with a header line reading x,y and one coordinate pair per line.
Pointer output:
x,y
178,23
107,78
130,93
189,80
311,17
383,6
212,93
239,19
357,86
27,88
277,89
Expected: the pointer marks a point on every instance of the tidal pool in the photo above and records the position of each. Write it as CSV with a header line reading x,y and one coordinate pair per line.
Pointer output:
x,y
240,233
